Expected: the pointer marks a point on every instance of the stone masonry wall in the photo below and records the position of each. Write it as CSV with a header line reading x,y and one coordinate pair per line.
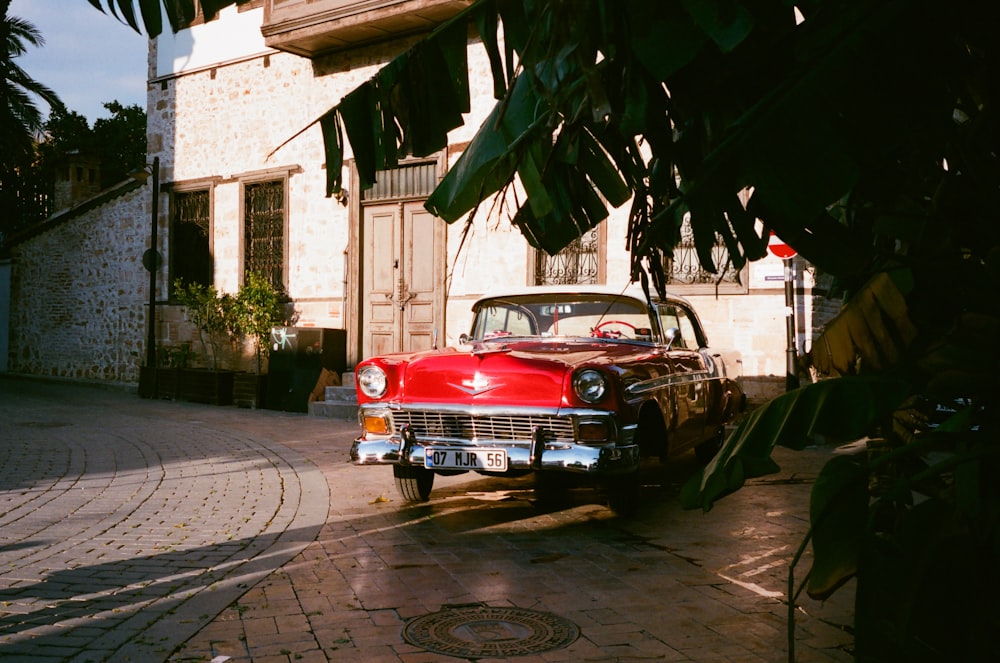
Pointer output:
x,y
79,295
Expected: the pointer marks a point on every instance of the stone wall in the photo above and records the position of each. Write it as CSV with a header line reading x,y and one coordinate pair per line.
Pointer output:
x,y
79,293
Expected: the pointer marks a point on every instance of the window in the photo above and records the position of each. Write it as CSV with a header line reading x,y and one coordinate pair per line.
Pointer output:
x,y
687,335
190,237
580,262
264,230
685,274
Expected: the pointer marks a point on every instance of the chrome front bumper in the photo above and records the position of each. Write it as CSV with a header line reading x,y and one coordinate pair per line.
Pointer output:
x,y
576,458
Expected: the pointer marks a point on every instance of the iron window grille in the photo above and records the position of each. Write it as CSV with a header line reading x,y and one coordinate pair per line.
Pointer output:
x,y
579,262
190,243
264,230
686,275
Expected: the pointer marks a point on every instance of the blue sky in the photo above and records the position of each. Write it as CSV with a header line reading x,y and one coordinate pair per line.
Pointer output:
x,y
89,58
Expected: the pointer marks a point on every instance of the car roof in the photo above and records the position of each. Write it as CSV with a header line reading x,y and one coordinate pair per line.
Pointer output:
x,y
631,290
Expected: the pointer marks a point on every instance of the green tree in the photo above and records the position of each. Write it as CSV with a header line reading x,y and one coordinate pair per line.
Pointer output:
x,y
120,142
211,313
257,308
20,118
867,137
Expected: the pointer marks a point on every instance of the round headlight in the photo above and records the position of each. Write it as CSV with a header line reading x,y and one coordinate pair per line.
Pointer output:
x,y
372,381
590,385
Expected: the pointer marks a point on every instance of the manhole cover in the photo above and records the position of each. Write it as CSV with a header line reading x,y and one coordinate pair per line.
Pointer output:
x,y
480,631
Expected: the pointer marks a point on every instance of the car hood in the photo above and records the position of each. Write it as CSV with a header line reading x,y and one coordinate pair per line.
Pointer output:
x,y
513,373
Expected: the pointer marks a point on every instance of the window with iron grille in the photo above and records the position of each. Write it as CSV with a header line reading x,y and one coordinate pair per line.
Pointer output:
x,y
190,243
685,275
579,262
264,230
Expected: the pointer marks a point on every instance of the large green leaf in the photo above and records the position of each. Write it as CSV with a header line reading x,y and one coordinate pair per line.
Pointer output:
x,y
602,171
656,24
435,84
838,515
874,329
727,22
486,25
488,163
180,13
840,408
576,208
333,141
356,114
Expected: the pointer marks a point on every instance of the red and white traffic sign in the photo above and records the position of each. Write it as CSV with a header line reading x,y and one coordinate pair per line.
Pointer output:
x,y
776,247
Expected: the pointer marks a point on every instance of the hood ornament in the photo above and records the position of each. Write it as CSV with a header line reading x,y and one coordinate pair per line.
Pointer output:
x,y
477,385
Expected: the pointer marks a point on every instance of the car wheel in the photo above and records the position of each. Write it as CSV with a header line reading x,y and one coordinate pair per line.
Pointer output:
x,y
706,450
624,493
414,483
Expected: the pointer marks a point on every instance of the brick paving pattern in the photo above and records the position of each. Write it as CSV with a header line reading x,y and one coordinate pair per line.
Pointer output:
x,y
195,533
122,531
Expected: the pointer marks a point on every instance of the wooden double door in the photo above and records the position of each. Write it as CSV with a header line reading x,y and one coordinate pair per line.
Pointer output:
x,y
403,278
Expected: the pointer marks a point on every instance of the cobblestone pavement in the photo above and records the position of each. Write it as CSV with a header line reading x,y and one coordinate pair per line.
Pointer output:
x,y
194,533
125,525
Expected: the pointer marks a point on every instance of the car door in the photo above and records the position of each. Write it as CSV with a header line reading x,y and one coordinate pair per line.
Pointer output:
x,y
688,362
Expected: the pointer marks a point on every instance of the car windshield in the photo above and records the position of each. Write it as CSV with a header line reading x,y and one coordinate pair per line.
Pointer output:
x,y
569,314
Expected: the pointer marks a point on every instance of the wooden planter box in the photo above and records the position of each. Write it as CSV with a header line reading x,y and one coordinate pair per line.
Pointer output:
x,y
249,390
147,381
160,382
167,382
204,385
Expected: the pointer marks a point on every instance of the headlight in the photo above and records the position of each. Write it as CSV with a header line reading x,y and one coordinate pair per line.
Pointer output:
x,y
590,385
372,381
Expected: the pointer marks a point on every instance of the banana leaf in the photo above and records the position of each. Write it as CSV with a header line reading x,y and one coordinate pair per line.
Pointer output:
x,y
839,408
873,328
488,163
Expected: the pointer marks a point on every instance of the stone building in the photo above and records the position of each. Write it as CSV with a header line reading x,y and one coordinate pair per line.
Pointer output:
x,y
242,189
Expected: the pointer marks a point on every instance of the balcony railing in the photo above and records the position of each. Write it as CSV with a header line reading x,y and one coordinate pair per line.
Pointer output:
x,y
315,27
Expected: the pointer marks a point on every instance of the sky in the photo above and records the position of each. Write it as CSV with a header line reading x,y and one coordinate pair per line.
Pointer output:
x,y
89,58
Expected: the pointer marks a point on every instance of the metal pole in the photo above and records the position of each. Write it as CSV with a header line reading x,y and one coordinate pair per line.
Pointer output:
x,y
153,268
791,372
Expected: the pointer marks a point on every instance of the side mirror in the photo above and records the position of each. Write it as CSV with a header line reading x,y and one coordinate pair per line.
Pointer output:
x,y
673,334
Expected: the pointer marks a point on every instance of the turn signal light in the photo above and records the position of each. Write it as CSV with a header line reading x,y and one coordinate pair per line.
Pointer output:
x,y
593,432
376,425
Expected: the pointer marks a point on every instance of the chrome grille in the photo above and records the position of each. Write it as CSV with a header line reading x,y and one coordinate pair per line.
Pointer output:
x,y
460,426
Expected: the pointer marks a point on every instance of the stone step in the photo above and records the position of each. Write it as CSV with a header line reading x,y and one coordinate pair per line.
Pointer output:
x,y
341,394
339,402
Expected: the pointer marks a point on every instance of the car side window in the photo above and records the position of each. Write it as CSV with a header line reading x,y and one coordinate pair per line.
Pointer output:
x,y
675,317
688,335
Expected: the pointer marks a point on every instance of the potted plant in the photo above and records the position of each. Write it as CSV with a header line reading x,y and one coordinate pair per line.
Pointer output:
x,y
210,313
257,308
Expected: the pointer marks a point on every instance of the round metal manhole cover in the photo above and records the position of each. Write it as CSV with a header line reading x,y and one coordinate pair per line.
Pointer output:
x,y
480,631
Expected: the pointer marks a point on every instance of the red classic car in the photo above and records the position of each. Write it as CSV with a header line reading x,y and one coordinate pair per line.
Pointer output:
x,y
555,380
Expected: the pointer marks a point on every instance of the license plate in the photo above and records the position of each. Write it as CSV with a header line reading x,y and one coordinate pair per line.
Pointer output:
x,y
461,458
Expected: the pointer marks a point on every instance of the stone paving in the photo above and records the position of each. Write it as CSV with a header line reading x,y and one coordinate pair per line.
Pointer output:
x,y
125,525
195,533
